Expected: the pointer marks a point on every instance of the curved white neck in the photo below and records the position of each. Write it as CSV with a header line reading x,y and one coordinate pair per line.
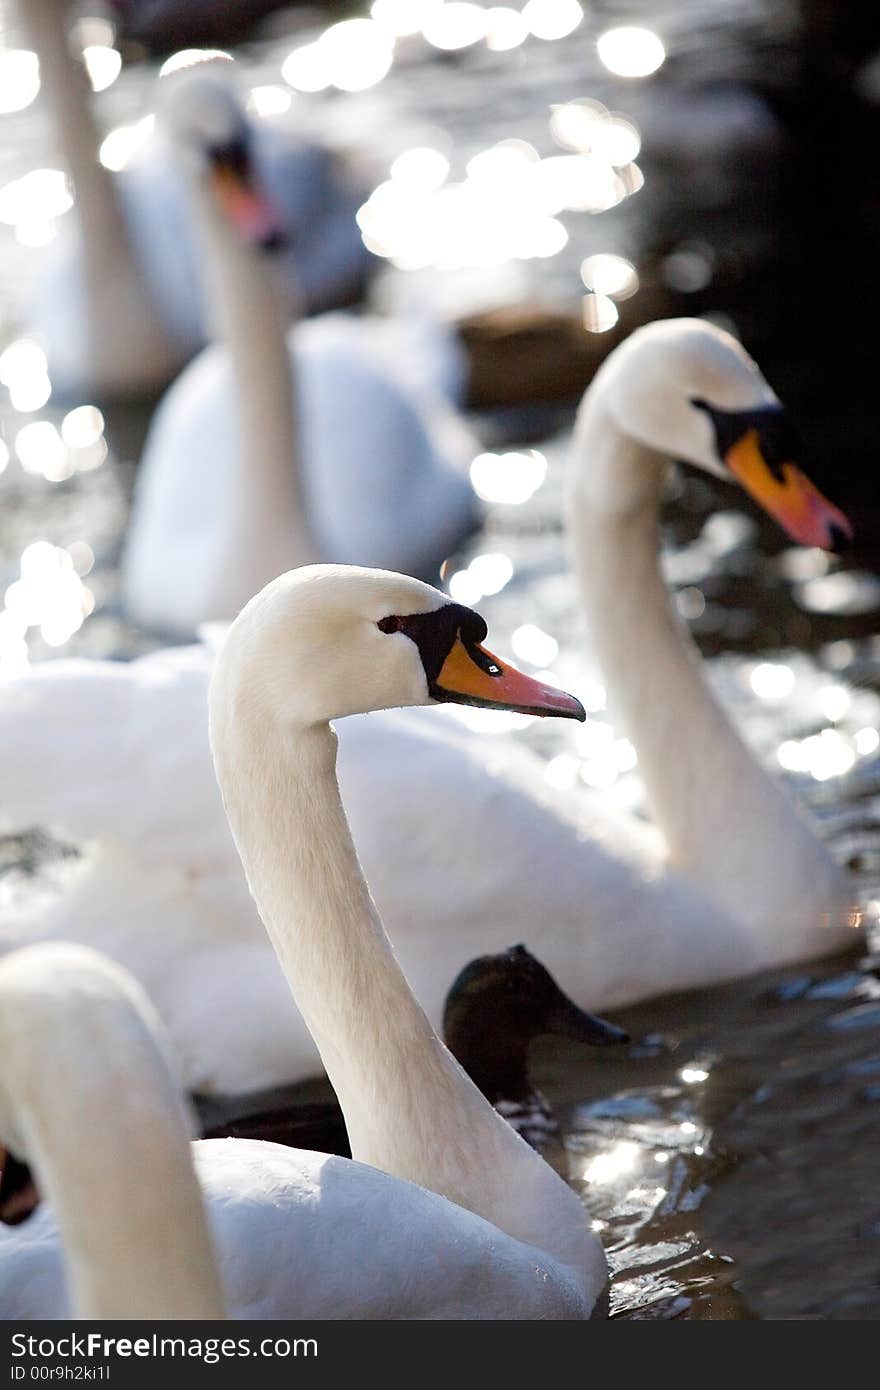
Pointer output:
x,y
67,91
118,303
409,1108
727,823
247,308
103,1126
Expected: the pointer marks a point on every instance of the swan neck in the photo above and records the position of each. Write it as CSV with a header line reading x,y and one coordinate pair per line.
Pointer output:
x,y
409,1108
105,1130
249,311
63,79
726,822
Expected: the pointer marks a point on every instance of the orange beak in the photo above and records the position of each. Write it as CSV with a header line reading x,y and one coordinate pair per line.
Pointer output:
x,y
247,207
791,499
471,675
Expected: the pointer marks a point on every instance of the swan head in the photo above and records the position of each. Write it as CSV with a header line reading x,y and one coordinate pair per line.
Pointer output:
x,y
687,390
327,641
211,135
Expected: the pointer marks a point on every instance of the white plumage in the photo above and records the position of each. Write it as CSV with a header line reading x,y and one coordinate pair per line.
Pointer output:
x,y
465,845
120,304
337,439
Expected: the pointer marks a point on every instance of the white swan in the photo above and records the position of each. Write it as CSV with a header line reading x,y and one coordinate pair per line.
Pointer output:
x,y
592,893
462,1219
119,306
88,1097
273,451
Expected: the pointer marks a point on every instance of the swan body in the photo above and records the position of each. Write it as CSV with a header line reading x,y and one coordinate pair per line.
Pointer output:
x,y
618,909
268,1232
289,1226
381,479
120,305
337,438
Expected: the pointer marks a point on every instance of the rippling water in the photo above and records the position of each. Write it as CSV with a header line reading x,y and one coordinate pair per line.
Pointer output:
x,y
729,1155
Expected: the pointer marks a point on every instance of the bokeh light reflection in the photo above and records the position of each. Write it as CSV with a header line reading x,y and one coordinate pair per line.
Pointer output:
x,y
49,595
552,19
19,79
455,25
630,51
610,274
512,477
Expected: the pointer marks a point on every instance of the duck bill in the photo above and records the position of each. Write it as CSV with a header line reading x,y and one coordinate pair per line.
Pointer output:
x,y
471,675
787,495
569,1021
251,212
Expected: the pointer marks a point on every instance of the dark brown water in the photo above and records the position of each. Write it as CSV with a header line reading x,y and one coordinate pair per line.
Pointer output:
x,y
729,1155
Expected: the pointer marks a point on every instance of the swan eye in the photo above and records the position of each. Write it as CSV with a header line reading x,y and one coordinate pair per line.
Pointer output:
x,y
482,659
389,624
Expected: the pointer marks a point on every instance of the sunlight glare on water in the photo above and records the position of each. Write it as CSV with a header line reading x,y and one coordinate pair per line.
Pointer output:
x,y
505,209
19,79
599,313
610,275
512,477
351,56
403,18
552,19
505,29
486,574
23,371
103,65
49,595
614,1163
31,204
631,51
191,57
422,169
268,100
455,25
772,680
122,144
531,643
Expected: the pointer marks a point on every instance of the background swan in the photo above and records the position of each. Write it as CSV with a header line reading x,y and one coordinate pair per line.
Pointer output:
x,y
336,438
593,893
87,1095
120,306
510,1239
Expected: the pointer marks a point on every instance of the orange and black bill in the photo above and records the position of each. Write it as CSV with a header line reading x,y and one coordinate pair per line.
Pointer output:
x,y
241,198
471,675
759,447
460,670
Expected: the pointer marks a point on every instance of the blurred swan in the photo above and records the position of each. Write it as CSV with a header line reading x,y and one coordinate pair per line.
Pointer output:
x,y
336,440
119,308
85,1075
730,880
489,1231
